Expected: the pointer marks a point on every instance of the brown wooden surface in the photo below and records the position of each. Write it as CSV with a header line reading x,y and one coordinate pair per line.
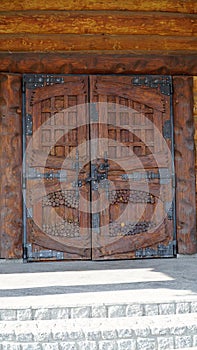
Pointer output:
x,y
127,131
188,6
195,124
97,26
11,221
63,42
185,165
98,22
51,149
10,167
195,95
60,125
80,63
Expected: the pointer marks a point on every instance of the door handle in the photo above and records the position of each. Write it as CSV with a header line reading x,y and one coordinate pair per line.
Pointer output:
x,y
98,174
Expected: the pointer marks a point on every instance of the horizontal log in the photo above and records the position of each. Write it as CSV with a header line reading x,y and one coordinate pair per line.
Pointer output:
x,y
61,43
97,63
76,22
188,6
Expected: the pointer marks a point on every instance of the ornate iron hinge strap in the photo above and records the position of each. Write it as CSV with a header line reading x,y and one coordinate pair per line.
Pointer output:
x,y
33,81
167,130
33,174
163,174
43,254
163,82
161,251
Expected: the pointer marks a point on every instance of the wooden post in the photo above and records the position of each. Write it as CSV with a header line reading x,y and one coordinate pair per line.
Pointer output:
x,y
10,167
185,165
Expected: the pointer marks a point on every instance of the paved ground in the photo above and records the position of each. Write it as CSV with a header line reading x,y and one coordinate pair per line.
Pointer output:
x,y
71,283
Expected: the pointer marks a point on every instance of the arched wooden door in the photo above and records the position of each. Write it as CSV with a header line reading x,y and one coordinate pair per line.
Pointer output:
x,y
98,176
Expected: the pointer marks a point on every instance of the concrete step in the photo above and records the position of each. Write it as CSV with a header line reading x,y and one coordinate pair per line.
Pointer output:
x,y
94,310
137,333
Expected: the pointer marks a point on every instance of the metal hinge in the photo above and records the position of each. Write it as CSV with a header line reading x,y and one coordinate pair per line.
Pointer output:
x,y
163,174
28,125
96,222
169,210
94,116
163,82
43,254
34,81
29,212
161,251
33,174
167,130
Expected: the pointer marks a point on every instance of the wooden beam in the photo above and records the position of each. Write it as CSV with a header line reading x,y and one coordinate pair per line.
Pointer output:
x,y
188,6
62,43
185,165
97,22
97,63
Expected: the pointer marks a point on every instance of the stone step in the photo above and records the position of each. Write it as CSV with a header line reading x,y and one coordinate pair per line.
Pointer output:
x,y
11,313
137,333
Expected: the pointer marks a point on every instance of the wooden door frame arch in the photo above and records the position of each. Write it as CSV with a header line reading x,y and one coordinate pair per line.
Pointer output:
x,y
181,67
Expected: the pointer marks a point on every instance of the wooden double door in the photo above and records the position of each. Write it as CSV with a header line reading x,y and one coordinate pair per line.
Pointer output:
x,y
98,175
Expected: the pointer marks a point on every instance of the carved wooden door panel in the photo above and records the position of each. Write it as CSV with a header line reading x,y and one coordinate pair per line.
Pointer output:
x,y
98,176
133,205
58,223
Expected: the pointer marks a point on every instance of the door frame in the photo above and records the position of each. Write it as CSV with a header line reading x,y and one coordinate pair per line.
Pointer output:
x,y
165,89
181,67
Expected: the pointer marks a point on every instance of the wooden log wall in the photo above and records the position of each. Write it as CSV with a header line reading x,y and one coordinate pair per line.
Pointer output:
x,y
89,25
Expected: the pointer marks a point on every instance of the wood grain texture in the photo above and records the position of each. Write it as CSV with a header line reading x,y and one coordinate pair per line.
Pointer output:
x,y
195,95
185,165
58,223
188,6
118,216
98,63
10,169
98,22
65,42
195,123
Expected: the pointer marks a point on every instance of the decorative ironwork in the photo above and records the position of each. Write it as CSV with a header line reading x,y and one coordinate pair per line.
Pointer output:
x,y
65,228
169,210
28,125
129,228
163,82
167,130
163,174
94,116
96,222
43,254
33,81
58,198
99,173
133,196
33,174
29,212
161,251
